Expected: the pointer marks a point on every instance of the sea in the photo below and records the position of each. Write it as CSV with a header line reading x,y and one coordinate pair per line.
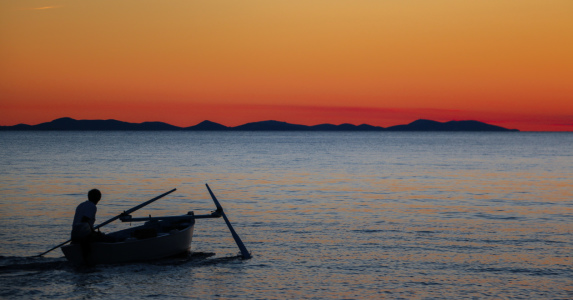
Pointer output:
x,y
325,215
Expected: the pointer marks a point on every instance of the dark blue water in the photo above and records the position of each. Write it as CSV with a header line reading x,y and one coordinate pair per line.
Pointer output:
x,y
325,215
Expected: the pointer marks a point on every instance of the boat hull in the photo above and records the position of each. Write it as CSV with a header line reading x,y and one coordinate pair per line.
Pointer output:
x,y
131,250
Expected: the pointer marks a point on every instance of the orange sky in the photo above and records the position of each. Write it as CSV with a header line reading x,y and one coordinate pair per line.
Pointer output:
x,y
381,62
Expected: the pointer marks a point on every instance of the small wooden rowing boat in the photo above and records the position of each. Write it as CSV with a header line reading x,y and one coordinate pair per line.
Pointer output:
x,y
153,240
158,237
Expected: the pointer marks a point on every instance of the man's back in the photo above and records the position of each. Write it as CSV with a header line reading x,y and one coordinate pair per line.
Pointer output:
x,y
86,209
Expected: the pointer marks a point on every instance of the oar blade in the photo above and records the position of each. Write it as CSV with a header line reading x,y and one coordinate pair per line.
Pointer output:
x,y
244,252
58,246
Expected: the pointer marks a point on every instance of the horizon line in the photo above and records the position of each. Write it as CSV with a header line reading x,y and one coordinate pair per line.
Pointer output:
x,y
398,127
314,124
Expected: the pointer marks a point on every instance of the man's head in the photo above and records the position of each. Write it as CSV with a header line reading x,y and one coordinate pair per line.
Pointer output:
x,y
94,196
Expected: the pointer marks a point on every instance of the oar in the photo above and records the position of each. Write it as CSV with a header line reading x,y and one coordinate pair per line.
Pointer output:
x,y
244,252
127,212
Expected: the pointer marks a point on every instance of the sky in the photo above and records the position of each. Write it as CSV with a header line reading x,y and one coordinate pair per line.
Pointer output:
x,y
379,62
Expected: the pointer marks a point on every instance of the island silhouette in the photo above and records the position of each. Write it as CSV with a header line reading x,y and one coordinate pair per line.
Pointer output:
x,y
69,124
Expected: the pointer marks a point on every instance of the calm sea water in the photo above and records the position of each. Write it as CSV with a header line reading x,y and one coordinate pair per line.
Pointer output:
x,y
325,215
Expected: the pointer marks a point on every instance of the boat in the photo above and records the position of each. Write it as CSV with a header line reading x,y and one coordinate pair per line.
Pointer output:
x,y
157,238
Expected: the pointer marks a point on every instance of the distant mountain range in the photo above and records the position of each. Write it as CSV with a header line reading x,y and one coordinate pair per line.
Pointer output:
x,y
69,124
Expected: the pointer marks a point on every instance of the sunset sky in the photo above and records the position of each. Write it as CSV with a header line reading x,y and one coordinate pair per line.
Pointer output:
x,y
380,62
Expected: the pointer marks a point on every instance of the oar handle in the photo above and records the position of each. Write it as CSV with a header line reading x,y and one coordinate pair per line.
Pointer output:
x,y
244,252
127,212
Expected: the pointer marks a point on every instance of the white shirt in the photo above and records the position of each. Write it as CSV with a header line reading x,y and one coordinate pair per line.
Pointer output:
x,y
85,209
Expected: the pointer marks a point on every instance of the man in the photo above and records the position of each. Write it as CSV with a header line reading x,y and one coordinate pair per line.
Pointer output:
x,y
84,218
83,226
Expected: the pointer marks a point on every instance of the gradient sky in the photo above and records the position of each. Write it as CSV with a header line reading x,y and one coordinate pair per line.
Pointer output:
x,y
381,62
